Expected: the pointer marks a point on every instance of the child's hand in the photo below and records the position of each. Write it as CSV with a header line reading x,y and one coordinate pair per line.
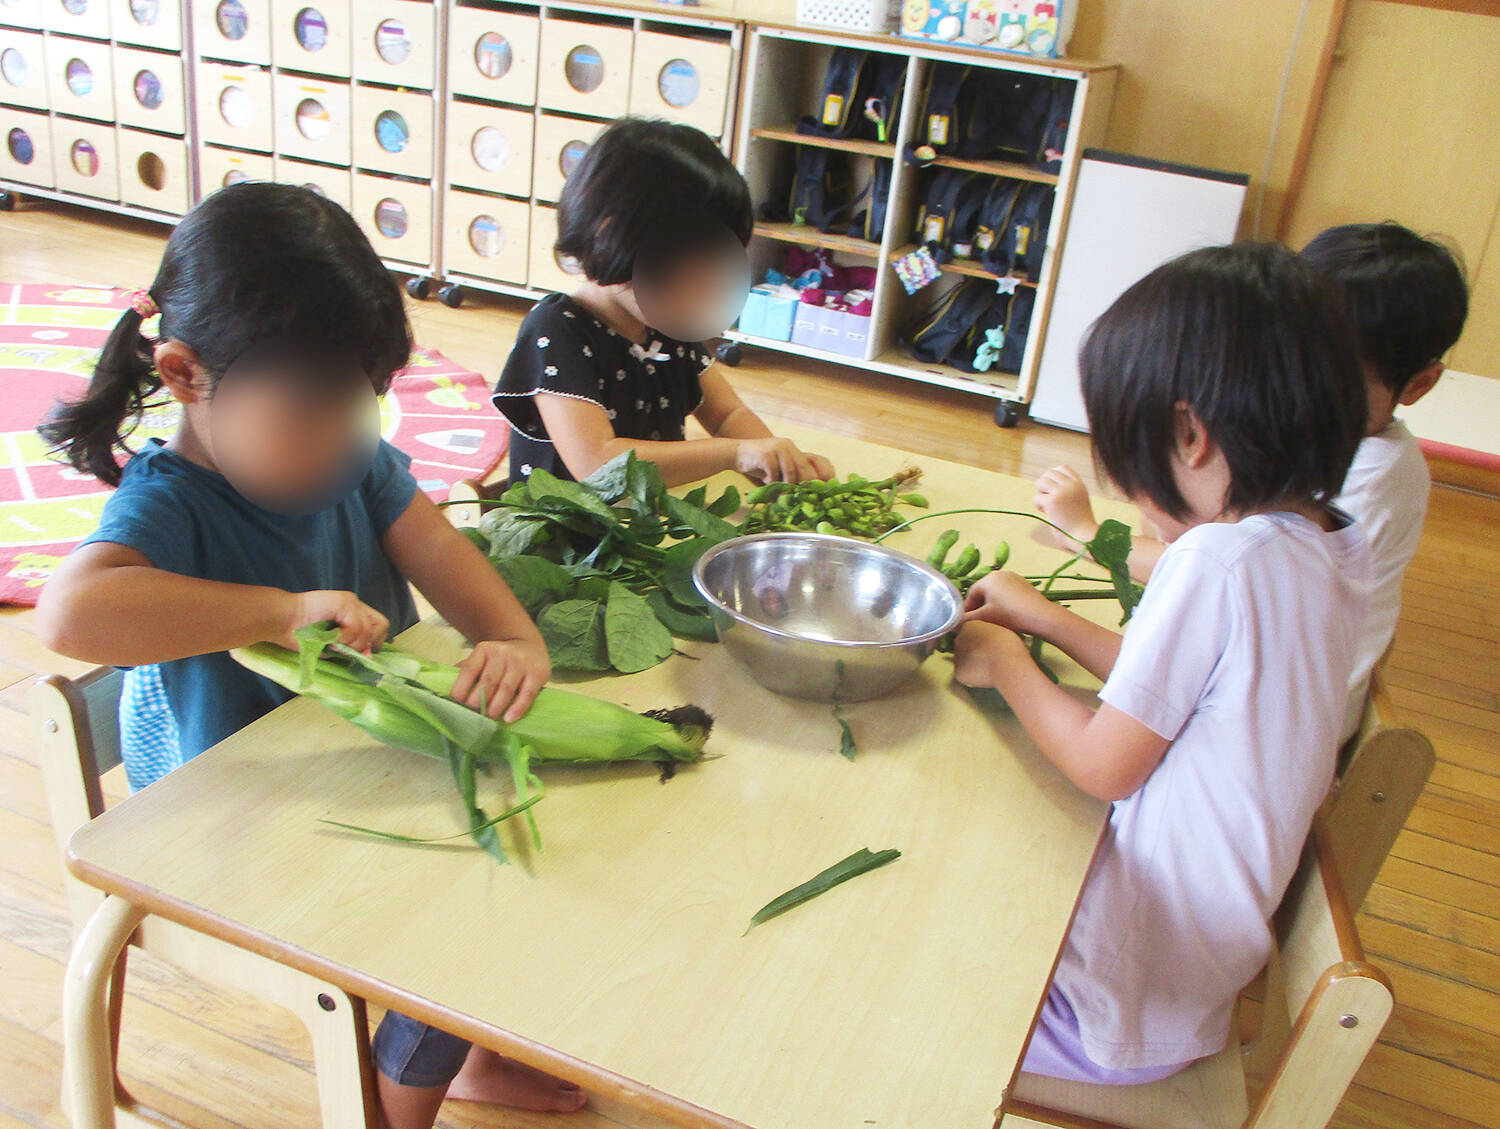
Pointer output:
x,y
360,626
1063,499
1008,600
980,648
779,460
503,675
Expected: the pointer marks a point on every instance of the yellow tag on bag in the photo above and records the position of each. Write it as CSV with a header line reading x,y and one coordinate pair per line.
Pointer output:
x,y
1023,239
833,109
937,129
932,229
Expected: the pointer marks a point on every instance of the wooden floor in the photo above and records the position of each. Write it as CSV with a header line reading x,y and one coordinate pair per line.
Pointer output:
x,y
1432,922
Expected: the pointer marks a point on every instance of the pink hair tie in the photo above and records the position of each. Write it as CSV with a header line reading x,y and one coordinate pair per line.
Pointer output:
x,y
142,303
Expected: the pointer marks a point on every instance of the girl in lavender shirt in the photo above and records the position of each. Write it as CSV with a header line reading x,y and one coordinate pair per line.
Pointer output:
x,y
1225,399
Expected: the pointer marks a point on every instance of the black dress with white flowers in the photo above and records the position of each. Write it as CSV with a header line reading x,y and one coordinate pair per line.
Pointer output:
x,y
647,391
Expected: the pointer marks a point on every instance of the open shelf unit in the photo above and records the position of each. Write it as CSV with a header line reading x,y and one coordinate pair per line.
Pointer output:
x,y
783,81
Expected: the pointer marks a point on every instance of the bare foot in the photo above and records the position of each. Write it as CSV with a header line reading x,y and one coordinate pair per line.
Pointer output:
x,y
496,1080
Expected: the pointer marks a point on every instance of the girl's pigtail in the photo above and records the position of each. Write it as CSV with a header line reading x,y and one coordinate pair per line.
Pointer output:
x,y
89,431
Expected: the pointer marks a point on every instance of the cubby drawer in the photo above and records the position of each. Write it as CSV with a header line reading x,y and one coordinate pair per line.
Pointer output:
x,y
560,144
219,168
234,106
236,30
146,23
154,172
77,17
79,81
394,131
681,79
397,217
336,184
547,271
489,147
486,236
493,55
86,160
395,42
312,119
23,69
149,91
21,13
313,37
25,147
584,68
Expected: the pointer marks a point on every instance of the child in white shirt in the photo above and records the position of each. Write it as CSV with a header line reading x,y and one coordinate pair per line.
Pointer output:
x,y
1225,398
1408,301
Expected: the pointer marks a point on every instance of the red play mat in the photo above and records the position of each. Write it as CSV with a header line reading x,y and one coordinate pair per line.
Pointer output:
x,y
437,412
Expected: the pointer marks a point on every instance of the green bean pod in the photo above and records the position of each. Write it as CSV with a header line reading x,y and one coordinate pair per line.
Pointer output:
x,y
943,547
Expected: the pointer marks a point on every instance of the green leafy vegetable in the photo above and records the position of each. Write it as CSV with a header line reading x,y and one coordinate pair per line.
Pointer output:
x,y
574,633
847,748
635,639
858,863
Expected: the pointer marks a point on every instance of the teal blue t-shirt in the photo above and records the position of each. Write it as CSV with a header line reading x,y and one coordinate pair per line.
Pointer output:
x,y
187,519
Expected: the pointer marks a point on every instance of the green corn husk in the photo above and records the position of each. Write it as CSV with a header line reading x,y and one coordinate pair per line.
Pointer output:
x,y
402,699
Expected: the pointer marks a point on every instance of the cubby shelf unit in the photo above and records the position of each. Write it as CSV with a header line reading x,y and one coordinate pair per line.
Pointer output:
x,y
782,78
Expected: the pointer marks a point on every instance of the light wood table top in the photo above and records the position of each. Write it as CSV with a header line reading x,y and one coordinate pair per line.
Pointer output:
x,y
615,957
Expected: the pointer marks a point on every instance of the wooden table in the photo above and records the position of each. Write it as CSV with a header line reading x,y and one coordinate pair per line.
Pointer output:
x,y
616,957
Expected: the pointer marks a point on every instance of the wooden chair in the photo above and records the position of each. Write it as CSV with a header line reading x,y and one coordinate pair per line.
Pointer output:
x,y
77,742
1340,1003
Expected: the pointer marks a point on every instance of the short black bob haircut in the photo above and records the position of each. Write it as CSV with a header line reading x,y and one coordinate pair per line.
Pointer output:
x,y
1407,295
642,180
1258,344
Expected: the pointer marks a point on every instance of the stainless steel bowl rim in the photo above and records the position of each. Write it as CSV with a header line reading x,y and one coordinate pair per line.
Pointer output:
x,y
922,566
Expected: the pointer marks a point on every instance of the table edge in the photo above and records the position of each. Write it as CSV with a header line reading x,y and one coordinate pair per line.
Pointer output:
x,y
593,1079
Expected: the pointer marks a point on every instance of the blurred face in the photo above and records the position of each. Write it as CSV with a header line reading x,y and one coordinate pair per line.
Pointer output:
x,y
294,436
696,292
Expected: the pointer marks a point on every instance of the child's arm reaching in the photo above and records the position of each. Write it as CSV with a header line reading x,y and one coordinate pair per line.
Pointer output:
x,y
1007,600
509,663
108,604
1063,499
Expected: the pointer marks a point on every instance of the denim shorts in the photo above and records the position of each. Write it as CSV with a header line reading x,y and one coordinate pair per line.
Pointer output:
x,y
410,1053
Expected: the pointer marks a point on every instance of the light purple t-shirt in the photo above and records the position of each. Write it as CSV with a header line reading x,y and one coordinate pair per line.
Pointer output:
x,y
1240,655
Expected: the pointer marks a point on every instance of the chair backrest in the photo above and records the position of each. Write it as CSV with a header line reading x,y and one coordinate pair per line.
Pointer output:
x,y
78,740
1339,1000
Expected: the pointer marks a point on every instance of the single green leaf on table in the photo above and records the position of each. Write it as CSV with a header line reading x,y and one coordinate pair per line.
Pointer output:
x,y
696,497
535,581
574,633
725,504
847,748
509,813
858,863
634,637
682,622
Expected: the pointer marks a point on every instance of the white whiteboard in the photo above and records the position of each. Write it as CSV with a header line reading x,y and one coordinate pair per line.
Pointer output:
x,y
1129,216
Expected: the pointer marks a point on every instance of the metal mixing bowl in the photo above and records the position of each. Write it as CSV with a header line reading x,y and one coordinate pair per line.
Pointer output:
x,y
822,617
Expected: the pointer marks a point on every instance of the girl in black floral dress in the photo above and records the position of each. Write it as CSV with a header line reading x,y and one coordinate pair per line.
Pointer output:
x,y
589,377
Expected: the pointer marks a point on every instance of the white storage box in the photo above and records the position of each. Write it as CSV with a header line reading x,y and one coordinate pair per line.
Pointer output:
x,y
546,270
23,69
394,131
77,17
584,68
486,236
493,55
234,106
336,184
154,172
21,13
79,81
312,35
147,23
219,168
85,160
560,144
397,217
25,147
681,79
874,17
312,119
149,91
489,147
235,30
395,42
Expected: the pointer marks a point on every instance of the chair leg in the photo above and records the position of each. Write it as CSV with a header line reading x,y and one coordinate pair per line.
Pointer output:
x,y
340,1034
88,1038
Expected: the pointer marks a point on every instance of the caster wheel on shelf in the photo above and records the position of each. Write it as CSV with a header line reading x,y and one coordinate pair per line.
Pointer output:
x,y
7,201
1007,413
730,353
451,295
419,287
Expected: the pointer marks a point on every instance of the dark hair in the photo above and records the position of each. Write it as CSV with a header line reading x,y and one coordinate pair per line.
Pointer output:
x,y
252,264
639,180
1259,346
1406,294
